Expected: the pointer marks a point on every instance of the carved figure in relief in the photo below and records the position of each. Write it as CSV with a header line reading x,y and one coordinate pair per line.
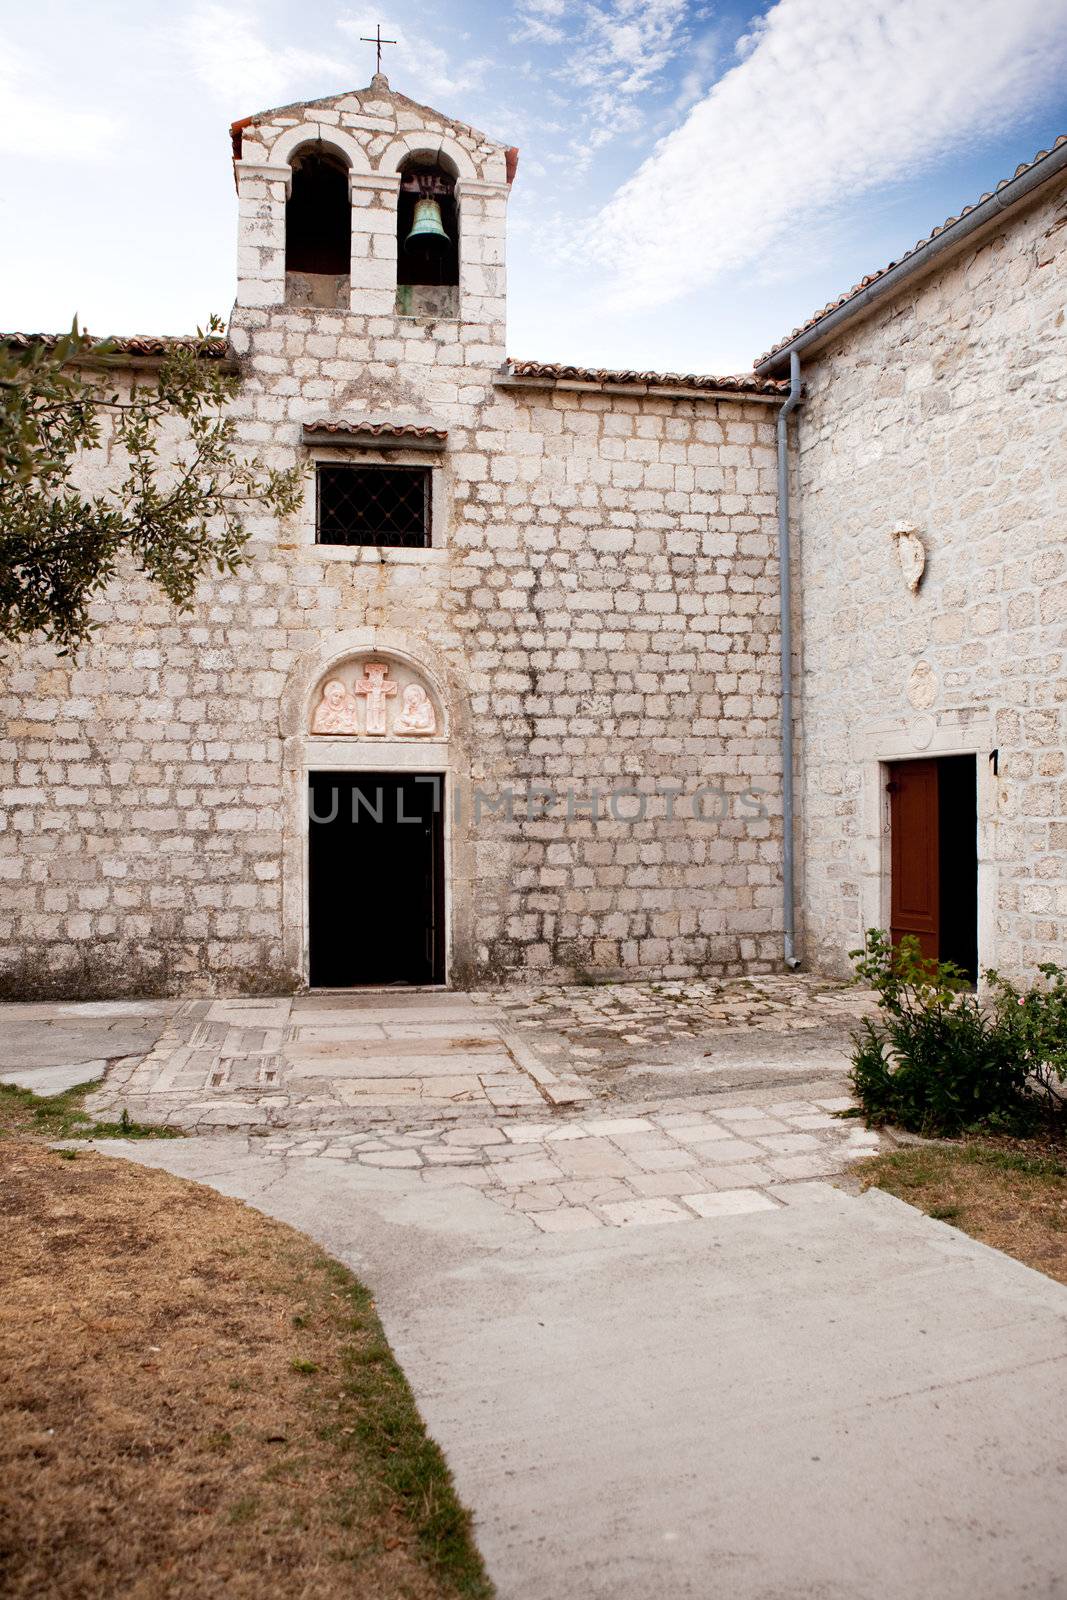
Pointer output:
x,y
922,686
336,711
417,714
377,691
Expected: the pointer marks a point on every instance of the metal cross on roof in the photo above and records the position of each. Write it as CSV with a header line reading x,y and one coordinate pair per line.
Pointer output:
x,y
378,41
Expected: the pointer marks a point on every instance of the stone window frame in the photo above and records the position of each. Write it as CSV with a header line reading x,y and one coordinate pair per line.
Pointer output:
x,y
369,554
331,488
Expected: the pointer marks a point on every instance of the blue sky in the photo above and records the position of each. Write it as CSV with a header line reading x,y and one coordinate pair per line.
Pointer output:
x,y
694,179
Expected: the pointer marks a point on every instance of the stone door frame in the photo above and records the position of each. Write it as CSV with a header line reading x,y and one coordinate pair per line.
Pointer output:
x,y
874,748
393,759
303,753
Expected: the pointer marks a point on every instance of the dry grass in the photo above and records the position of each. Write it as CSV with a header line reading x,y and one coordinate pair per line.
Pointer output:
x,y
196,1402
1006,1197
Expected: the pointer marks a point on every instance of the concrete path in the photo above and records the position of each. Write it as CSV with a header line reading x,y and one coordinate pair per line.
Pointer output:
x,y
50,1046
839,1400
665,1356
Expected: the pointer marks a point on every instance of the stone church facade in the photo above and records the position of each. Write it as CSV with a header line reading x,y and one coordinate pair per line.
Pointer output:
x,y
529,615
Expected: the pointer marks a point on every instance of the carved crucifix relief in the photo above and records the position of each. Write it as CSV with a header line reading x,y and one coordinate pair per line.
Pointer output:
x,y
377,691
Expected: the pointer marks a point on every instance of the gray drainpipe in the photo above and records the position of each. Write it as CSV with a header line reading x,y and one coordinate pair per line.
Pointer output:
x,y
785,584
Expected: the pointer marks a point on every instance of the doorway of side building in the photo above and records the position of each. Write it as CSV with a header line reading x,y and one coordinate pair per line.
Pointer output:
x,y
933,824
376,878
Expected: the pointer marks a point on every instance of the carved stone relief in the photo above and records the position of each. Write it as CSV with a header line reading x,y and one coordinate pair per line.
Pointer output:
x,y
922,686
911,553
921,730
367,697
416,711
374,687
336,711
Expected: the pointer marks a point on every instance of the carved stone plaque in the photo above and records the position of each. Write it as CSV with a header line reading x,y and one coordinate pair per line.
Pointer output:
x,y
369,696
922,686
417,714
911,553
376,691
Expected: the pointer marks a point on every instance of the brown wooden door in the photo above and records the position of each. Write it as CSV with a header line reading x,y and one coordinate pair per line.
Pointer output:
x,y
913,827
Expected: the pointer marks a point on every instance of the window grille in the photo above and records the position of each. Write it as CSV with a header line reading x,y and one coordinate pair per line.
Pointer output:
x,y
374,505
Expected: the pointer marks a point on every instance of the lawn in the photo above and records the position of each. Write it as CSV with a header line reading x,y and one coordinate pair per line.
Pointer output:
x,y
1010,1198
195,1401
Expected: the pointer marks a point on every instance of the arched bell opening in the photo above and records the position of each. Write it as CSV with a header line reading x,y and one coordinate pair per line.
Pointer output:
x,y
427,238
318,230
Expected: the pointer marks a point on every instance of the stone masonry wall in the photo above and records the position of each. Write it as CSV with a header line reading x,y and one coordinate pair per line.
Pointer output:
x,y
946,410
601,599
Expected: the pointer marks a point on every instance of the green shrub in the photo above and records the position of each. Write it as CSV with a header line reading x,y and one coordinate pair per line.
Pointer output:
x,y
1036,1021
933,1061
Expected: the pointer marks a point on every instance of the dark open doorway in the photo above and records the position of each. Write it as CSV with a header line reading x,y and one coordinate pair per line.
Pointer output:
x,y
933,819
376,866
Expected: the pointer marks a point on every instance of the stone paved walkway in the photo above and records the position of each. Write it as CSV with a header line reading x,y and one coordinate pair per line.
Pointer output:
x,y
322,1061
52,1046
663,1349
586,1172
529,1097
640,1040
846,1400
349,1061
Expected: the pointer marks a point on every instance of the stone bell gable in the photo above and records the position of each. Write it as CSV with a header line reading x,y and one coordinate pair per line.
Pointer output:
x,y
356,163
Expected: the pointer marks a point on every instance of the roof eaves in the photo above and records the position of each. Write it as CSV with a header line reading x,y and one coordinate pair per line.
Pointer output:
x,y
137,348
949,236
376,434
664,385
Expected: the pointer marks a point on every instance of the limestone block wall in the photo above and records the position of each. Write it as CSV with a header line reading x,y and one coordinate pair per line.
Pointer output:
x,y
944,410
600,606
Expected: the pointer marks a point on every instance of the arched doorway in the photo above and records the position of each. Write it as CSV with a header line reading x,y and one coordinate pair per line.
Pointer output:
x,y
376,826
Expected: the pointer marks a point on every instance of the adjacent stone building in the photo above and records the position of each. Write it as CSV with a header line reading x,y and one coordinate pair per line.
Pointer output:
x,y
502,700
934,425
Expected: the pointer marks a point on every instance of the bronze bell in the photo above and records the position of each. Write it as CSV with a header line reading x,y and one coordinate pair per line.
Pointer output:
x,y
427,228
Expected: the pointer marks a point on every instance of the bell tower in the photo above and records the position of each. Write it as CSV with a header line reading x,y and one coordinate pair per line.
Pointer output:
x,y
369,205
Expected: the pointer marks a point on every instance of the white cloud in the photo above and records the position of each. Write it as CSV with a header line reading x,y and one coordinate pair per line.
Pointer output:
x,y
629,42
236,59
616,52
535,30
240,66
542,21
36,122
829,100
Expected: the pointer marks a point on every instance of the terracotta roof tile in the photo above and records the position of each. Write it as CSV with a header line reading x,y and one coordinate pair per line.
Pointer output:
x,y
555,371
916,250
379,430
138,344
